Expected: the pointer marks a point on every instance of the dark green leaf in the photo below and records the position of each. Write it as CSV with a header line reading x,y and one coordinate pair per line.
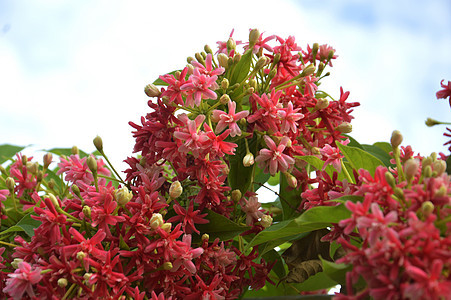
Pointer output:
x,y
448,165
289,198
312,219
14,228
279,267
379,153
242,68
7,151
316,282
220,227
359,159
268,246
260,177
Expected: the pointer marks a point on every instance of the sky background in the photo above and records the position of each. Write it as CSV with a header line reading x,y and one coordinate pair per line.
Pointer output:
x,y
71,70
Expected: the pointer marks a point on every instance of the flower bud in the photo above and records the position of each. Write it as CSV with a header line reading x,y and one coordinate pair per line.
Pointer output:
x,y
53,200
10,184
236,195
396,139
427,208
315,49
152,90
190,69
47,159
261,62
81,255
62,282
156,221
253,83
441,192
427,171
175,190
224,99
87,211
205,237
3,170
248,160
15,263
231,44
199,58
76,190
98,143
166,227
87,276
208,49
272,74
236,58
167,266
74,150
39,176
190,59
427,161
32,167
225,84
254,35
24,160
249,91
344,127
411,168
309,70
291,180
390,179
223,60
123,196
439,166
398,192
51,184
331,55
92,164
266,221
276,59
321,104
431,122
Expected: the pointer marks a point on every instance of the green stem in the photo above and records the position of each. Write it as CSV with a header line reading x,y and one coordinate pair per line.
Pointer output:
x,y
397,156
111,165
111,178
8,244
345,171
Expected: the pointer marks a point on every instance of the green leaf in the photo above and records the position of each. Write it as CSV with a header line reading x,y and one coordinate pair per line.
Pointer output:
x,y
65,151
312,219
268,246
274,180
242,68
279,267
384,146
220,227
318,164
260,177
353,142
359,159
289,198
379,153
161,82
14,228
28,224
336,272
240,177
316,282
7,151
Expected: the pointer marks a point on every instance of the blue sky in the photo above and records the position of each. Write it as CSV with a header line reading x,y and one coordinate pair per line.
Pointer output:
x,y
73,70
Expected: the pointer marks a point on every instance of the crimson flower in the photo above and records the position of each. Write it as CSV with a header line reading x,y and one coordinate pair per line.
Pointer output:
x,y
273,158
216,144
188,217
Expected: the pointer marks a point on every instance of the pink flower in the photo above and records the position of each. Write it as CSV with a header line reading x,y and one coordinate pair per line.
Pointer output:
x,y
273,158
22,280
3,194
216,144
228,119
199,88
288,116
446,92
332,156
251,208
261,43
188,217
77,169
193,139
174,92
208,69
266,117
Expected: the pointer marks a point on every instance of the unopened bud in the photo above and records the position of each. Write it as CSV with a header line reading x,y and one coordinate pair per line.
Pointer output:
x,y
167,266
390,179
205,237
315,48
166,227
266,221
24,160
398,192
87,276
321,104
53,200
15,263
199,58
223,60
253,83
439,166
236,58
236,195
208,49
62,282
231,44
249,91
32,167
344,127
190,59
396,139
427,171
98,143
225,84
224,99
254,35
3,170
156,221
431,122
411,168
190,69
204,55
76,190
48,157
427,208
74,150
87,211
175,190
123,196
152,90
92,164
272,74
427,161
51,183
331,55
10,184
309,70
276,58
248,160
441,192
261,62
291,180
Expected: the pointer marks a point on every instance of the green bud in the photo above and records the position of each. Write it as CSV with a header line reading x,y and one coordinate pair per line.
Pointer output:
x,y
266,221
231,44
390,179
199,58
344,127
321,104
253,83
309,70
208,49
223,60
427,208
51,183
205,237
236,195
166,227
410,168
48,157
87,211
291,180
98,143
236,58
175,190
427,171
15,262
224,99
74,150
276,59
152,90
225,84
62,282
123,196
3,170
261,62
254,35
167,266
53,200
10,184
32,167
315,49
248,160
76,190
190,59
442,191
439,166
431,122
396,138
92,164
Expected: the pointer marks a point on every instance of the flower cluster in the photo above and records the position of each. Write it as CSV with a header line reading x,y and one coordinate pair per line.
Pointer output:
x,y
212,126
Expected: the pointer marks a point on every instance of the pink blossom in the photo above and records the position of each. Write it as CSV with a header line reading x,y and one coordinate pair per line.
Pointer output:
x,y
332,156
208,69
273,158
251,208
445,92
3,194
199,88
229,119
188,217
266,117
77,169
216,144
191,135
261,43
22,280
174,92
289,116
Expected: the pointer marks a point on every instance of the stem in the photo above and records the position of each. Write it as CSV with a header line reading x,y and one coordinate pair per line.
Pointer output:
x,y
111,165
397,155
69,291
111,178
8,244
345,171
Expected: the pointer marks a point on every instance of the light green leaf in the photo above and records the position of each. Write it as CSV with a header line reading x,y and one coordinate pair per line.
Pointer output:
x,y
14,228
7,151
359,159
28,224
65,151
242,68
334,271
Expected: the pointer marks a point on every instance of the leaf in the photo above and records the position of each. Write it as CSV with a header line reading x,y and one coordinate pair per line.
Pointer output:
x,y
28,224
268,246
384,146
279,267
240,177
158,81
318,164
289,198
14,228
7,151
312,219
260,177
220,227
336,272
242,68
379,153
359,159
274,180
353,142
65,151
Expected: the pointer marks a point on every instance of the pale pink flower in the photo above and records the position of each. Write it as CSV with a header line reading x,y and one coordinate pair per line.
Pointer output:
x,y
333,157
77,169
3,194
22,280
193,137
198,88
273,158
174,92
228,119
251,208
289,116
208,68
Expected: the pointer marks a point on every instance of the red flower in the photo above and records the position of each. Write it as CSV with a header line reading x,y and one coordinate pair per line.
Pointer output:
x,y
188,217
446,92
22,280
